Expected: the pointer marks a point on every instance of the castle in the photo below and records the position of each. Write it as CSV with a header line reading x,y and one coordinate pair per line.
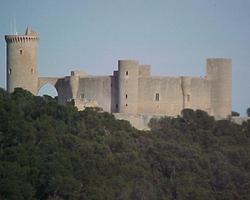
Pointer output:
x,y
131,92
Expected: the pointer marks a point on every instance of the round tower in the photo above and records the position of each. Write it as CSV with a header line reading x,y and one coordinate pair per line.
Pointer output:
x,y
219,73
128,73
22,61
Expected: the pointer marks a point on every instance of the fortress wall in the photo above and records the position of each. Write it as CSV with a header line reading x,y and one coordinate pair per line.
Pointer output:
x,y
96,89
136,120
144,70
64,90
186,91
170,95
74,84
200,94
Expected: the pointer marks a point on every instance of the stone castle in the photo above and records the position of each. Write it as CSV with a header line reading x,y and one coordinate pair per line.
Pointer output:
x,y
131,93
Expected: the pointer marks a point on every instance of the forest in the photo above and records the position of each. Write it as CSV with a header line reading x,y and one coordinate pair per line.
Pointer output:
x,y
50,151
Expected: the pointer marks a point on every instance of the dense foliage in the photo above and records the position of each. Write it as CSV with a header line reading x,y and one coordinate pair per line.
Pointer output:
x,y
49,151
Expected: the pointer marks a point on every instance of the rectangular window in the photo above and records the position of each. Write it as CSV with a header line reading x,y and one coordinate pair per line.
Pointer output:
x,y
126,73
157,97
126,96
82,96
188,97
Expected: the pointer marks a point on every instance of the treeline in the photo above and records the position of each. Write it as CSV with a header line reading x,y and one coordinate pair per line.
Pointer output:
x,y
50,151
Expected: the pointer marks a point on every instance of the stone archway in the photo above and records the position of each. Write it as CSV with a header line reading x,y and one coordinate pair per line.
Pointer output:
x,y
47,89
43,81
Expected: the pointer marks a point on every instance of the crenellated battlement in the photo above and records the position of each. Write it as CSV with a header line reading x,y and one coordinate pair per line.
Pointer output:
x,y
20,38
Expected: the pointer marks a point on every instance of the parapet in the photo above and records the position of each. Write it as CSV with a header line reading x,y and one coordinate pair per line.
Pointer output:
x,y
144,70
127,63
215,61
29,36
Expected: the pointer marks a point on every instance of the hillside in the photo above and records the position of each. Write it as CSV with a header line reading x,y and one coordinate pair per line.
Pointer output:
x,y
49,151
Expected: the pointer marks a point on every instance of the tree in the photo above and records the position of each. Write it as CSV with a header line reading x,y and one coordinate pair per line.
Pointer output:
x,y
235,114
51,151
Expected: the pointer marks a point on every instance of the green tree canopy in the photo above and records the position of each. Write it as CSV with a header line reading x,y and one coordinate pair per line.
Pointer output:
x,y
50,151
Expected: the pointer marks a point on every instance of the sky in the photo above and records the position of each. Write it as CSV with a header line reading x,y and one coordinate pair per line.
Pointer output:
x,y
174,36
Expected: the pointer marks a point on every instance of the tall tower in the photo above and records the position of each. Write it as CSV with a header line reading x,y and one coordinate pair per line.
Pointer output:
x,y
219,73
22,61
128,74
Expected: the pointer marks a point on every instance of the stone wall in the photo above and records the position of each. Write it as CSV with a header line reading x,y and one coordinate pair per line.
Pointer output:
x,y
96,89
160,95
138,121
200,95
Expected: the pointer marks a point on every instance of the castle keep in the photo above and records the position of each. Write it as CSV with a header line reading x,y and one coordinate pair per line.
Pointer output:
x,y
131,91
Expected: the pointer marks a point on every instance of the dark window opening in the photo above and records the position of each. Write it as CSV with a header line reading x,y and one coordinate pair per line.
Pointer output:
x,y
126,96
116,105
82,96
126,105
188,97
21,52
9,71
126,73
157,97
32,71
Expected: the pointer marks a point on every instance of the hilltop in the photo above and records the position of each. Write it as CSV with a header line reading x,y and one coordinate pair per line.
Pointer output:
x,y
50,151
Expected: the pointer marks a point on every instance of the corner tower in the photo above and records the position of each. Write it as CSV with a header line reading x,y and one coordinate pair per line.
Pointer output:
x,y
22,61
219,73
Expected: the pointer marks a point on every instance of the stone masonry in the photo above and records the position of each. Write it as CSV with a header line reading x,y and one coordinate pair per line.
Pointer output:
x,y
131,92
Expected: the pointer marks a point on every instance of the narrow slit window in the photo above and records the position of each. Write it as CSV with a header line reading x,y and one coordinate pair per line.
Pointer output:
x,y
188,97
21,52
126,73
157,97
126,105
82,96
9,71
32,71
126,96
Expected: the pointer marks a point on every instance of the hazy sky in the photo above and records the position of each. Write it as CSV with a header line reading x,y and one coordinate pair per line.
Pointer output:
x,y
174,36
